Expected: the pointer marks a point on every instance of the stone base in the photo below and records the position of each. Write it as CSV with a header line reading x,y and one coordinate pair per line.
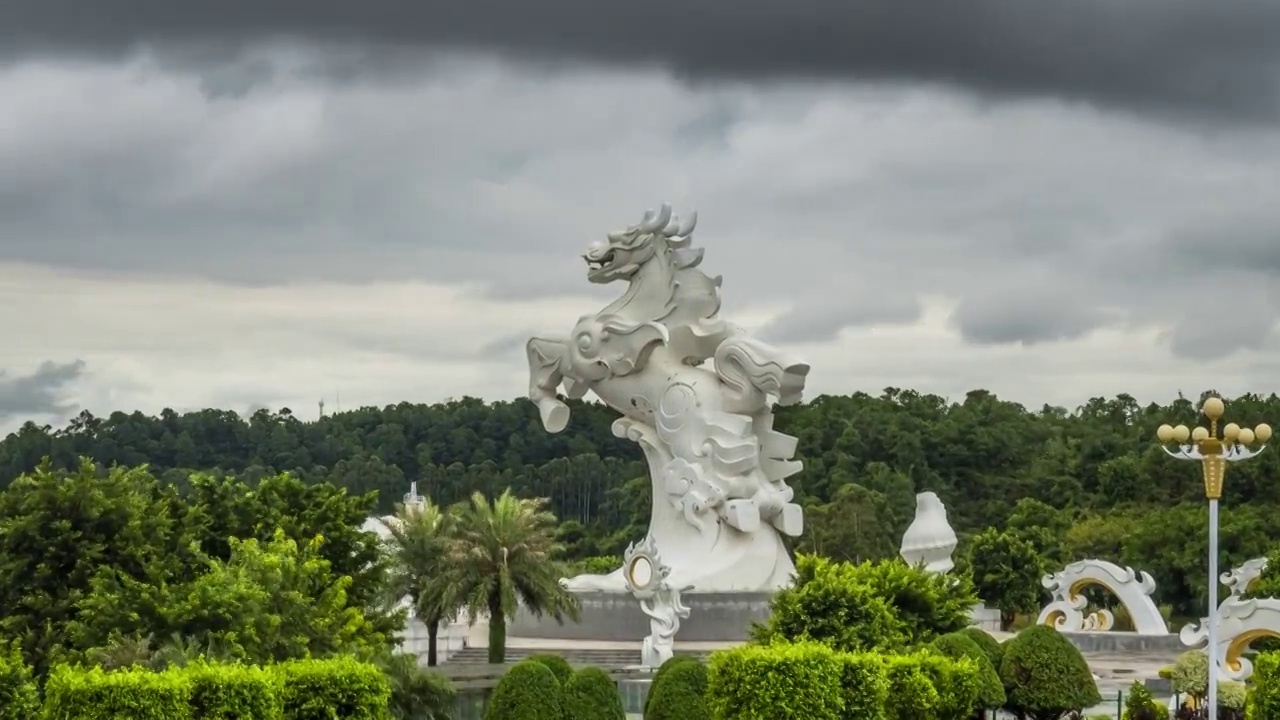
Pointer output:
x,y
714,617
1124,642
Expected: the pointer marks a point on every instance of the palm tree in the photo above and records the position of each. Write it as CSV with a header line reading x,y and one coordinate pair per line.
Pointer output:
x,y
504,558
421,537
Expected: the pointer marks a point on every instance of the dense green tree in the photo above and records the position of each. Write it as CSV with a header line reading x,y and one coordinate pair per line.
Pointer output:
x,y
1006,571
504,559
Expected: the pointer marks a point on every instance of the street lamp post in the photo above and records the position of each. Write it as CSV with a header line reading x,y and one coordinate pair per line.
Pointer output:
x,y
1203,445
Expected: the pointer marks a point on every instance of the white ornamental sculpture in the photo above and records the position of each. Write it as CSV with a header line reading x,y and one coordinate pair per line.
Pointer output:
x,y
1065,611
646,578
718,469
1240,621
929,540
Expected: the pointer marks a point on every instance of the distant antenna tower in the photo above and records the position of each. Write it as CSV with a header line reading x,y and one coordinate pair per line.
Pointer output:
x,y
322,407
337,402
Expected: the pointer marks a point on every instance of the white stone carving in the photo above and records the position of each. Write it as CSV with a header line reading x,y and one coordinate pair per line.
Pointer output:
x,y
929,540
646,578
1065,611
1240,621
718,469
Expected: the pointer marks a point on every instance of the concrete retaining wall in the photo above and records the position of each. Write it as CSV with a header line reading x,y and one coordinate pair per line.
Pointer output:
x,y
1124,642
714,617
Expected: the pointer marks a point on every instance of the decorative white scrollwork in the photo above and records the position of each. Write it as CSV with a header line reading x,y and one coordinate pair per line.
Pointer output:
x,y
646,578
1240,621
1066,611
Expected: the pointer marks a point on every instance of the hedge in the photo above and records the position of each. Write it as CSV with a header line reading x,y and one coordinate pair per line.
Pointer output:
x,y
1264,701
912,695
956,682
1045,675
679,693
556,664
988,644
865,686
74,693
19,698
591,694
529,691
332,688
776,682
662,670
233,692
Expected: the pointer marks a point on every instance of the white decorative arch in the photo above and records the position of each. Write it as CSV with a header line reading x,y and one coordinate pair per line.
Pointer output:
x,y
1240,621
1065,611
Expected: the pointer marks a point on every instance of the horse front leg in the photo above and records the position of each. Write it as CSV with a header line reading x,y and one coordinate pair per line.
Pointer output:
x,y
546,360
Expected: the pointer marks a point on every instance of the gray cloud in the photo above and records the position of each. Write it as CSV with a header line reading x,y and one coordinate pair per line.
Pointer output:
x,y
1027,315
39,393
1214,59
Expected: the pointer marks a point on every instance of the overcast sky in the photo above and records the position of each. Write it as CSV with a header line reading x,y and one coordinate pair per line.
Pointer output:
x,y
266,203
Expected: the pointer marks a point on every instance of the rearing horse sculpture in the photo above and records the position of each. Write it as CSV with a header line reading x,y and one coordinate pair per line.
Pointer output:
x,y
717,467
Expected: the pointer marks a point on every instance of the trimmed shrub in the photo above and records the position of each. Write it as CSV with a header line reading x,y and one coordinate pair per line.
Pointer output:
x,y
775,682
19,699
74,693
679,693
988,644
1190,674
959,645
912,695
591,694
529,691
864,686
1264,702
232,692
956,682
1139,705
556,664
1045,675
340,687
662,670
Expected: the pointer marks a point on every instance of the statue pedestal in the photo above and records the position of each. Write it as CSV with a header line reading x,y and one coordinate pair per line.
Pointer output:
x,y
715,617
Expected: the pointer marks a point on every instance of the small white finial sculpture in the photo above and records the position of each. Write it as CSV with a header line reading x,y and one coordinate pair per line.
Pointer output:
x,y
929,540
646,578
718,468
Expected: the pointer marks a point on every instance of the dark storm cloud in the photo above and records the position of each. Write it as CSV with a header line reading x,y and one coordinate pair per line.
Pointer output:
x,y
40,392
1217,58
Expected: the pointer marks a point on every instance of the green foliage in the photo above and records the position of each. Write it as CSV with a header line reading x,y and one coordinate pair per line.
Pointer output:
x,y
556,664
1190,674
1232,694
1045,675
864,686
678,691
529,691
663,670
74,693
232,692
852,608
1264,702
590,694
418,548
956,681
504,559
1139,705
988,644
912,695
776,682
339,687
1006,572
19,699
416,694
958,645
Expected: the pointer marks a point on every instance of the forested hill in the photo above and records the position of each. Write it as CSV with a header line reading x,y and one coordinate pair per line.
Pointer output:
x,y
1096,468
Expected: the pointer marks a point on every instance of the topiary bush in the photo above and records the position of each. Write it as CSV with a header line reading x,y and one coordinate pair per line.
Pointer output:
x,y
775,682
1139,705
960,645
662,670
74,693
1264,702
864,685
956,682
1190,675
340,687
232,692
988,644
1045,676
912,695
678,692
591,694
19,698
556,664
529,691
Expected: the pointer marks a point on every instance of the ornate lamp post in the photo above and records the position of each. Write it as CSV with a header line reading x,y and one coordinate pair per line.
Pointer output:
x,y
1204,446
